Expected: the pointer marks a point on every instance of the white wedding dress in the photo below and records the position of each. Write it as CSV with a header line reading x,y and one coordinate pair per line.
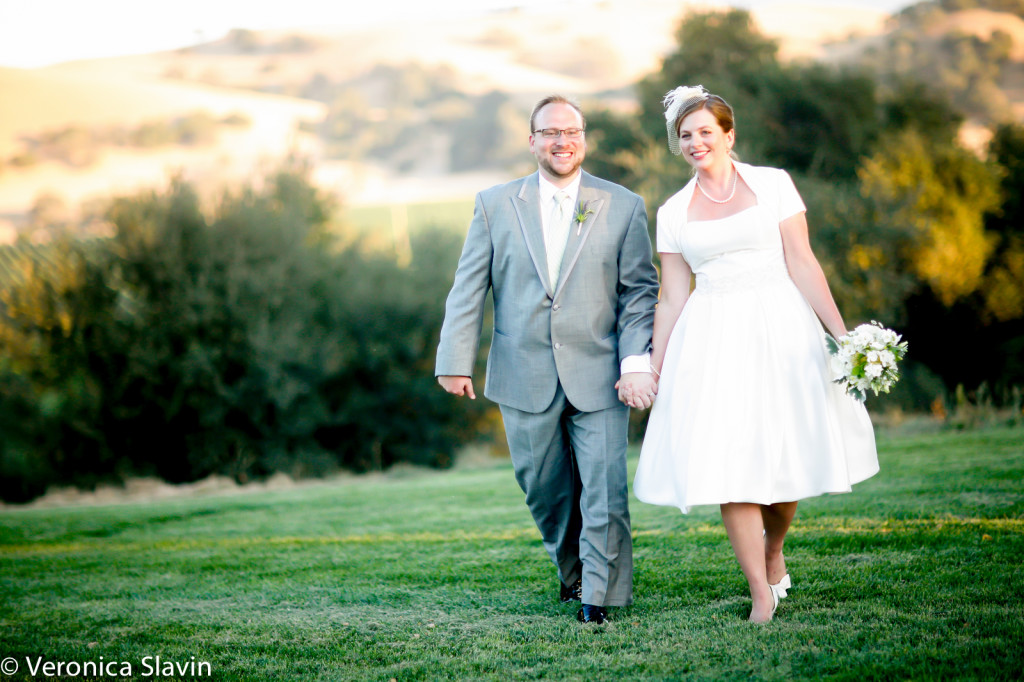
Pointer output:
x,y
746,409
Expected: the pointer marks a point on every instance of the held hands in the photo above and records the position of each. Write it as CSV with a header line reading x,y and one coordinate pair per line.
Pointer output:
x,y
459,386
637,389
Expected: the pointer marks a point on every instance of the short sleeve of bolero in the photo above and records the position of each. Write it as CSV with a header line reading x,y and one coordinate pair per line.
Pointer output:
x,y
790,202
666,238
672,219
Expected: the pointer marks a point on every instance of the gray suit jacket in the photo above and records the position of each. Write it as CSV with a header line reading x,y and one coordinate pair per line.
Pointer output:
x,y
601,311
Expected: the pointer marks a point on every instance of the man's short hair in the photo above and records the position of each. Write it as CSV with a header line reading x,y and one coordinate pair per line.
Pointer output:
x,y
555,99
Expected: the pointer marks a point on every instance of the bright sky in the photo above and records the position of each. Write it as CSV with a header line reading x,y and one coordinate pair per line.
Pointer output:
x,y
40,32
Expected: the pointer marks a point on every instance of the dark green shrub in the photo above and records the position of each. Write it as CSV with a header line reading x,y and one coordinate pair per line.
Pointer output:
x,y
243,342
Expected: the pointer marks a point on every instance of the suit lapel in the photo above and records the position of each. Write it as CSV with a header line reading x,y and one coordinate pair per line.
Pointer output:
x,y
587,199
526,204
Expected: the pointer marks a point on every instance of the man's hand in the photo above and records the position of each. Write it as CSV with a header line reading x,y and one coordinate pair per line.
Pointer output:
x,y
637,389
459,386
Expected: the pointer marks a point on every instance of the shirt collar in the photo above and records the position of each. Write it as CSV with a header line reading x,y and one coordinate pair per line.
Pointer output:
x,y
547,189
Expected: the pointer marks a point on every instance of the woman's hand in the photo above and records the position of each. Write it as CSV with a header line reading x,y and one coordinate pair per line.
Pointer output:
x,y
637,389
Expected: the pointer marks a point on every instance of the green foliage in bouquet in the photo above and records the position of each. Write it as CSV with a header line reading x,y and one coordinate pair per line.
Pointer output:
x,y
867,359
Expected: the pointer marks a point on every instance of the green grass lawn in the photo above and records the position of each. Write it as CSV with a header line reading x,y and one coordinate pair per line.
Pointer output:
x,y
422,576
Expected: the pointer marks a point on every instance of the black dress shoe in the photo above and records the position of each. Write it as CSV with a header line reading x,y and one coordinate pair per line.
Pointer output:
x,y
572,592
589,613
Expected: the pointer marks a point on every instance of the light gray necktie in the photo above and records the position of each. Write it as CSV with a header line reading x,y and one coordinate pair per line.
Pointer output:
x,y
558,234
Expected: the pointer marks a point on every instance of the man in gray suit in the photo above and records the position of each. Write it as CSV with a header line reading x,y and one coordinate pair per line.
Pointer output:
x,y
568,259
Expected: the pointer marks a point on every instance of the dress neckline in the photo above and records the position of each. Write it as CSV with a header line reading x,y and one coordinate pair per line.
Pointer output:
x,y
728,217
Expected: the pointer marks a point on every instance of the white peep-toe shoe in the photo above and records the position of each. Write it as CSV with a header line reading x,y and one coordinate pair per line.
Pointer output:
x,y
781,588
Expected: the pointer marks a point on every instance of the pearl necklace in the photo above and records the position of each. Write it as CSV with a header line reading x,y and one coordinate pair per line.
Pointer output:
x,y
735,176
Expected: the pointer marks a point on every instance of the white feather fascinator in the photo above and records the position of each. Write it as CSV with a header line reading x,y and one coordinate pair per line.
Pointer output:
x,y
675,101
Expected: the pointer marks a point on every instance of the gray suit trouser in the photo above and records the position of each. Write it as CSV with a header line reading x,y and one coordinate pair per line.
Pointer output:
x,y
572,467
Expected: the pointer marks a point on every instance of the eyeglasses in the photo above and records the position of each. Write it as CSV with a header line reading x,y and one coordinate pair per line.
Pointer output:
x,y
555,133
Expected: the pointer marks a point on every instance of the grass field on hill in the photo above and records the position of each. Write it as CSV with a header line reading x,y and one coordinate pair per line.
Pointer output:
x,y
432,576
413,217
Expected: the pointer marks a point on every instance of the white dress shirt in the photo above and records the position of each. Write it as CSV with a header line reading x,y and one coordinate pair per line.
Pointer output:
x,y
630,363
547,195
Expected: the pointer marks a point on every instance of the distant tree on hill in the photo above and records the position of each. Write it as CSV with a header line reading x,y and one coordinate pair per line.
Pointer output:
x,y
1011,6
404,115
975,71
244,40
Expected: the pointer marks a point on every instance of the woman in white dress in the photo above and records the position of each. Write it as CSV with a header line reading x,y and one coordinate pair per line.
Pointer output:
x,y
746,416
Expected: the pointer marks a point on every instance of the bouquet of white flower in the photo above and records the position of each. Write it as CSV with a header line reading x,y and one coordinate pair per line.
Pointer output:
x,y
866,359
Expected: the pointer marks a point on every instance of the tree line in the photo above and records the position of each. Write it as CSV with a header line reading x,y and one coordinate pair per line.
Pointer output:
x,y
243,339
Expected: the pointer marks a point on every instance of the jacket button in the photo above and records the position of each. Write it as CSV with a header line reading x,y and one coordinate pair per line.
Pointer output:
x,y
555,307
558,346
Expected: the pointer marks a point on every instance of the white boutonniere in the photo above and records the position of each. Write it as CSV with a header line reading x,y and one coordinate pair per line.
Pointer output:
x,y
581,216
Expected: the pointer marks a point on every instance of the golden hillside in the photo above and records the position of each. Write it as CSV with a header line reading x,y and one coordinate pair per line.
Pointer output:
x,y
262,76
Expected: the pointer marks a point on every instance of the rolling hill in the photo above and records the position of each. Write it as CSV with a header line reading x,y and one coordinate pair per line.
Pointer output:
x,y
269,79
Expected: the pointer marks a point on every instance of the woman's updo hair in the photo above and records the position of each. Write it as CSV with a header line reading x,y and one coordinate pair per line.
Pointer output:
x,y
685,100
718,107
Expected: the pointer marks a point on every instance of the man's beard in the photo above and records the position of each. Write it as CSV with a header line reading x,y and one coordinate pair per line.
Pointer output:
x,y
546,165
